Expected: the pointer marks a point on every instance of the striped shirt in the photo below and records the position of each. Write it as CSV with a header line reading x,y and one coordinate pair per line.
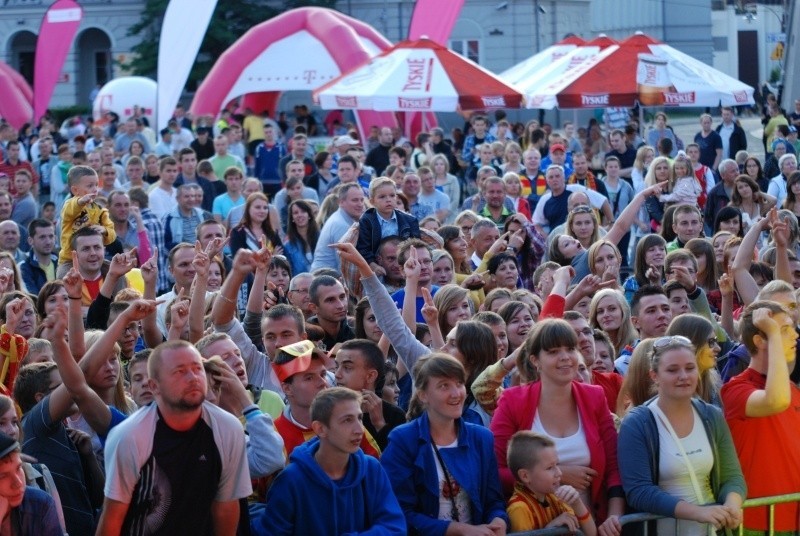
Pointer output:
x,y
526,512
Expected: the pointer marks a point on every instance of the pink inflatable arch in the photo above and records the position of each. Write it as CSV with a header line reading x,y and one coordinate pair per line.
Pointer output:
x,y
299,50
15,106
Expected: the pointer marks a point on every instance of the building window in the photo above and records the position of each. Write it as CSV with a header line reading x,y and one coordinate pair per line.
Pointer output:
x,y
469,48
102,67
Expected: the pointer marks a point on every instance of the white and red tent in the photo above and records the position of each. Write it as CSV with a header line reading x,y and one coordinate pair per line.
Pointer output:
x,y
418,75
532,67
639,70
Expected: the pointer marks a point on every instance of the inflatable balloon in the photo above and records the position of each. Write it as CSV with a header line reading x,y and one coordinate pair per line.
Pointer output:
x,y
121,95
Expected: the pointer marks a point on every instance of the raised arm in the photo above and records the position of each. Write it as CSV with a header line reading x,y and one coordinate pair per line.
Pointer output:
x,y
628,215
776,395
744,282
74,386
197,305
411,270
150,332
73,284
389,318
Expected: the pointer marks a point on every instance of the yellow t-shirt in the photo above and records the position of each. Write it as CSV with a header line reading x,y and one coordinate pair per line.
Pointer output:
x,y
254,126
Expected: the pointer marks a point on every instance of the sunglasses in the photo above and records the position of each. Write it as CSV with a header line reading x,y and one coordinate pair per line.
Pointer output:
x,y
672,340
582,209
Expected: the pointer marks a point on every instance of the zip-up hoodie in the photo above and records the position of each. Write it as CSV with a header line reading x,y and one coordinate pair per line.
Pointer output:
x,y
304,500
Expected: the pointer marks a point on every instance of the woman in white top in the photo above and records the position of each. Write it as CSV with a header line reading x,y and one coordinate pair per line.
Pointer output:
x,y
676,456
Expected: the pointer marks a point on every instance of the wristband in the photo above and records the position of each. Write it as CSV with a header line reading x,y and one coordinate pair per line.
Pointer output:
x,y
225,298
584,517
251,413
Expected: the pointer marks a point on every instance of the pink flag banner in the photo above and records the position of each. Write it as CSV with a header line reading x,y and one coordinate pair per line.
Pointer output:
x,y
58,29
434,19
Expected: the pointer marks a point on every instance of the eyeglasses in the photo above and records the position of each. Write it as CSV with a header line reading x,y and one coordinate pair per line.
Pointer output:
x,y
132,329
299,290
672,340
713,341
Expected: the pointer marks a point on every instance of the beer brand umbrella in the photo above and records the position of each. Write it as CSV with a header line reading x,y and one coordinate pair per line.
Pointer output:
x,y
638,70
418,75
532,67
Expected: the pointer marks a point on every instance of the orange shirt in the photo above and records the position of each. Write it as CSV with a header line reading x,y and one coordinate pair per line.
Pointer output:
x,y
768,450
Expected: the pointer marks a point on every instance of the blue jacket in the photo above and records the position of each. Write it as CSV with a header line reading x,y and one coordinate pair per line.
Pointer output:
x,y
32,274
638,456
36,516
410,464
304,500
369,231
296,257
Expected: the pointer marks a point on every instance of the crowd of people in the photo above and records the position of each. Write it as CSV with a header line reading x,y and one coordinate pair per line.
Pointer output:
x,y
225,329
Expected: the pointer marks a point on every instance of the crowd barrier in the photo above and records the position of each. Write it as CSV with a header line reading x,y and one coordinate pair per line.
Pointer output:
x,y
644,518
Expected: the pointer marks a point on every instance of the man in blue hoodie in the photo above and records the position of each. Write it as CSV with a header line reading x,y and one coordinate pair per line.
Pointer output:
x,y
330,486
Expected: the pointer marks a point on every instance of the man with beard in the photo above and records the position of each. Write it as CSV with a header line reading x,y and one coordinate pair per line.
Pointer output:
x,y
178,465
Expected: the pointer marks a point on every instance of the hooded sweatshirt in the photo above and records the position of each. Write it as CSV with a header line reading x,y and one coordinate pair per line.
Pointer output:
x,y
304,500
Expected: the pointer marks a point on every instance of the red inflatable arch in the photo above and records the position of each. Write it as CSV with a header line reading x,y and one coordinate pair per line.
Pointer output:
x,y
299,50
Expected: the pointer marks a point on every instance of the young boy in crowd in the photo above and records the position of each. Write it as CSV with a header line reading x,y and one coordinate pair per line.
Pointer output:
x,y
26,510
39,351
80,211
383,220
539,500
349,490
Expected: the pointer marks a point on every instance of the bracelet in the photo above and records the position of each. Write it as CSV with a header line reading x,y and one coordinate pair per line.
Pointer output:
x,y
227,299
73,298
584,517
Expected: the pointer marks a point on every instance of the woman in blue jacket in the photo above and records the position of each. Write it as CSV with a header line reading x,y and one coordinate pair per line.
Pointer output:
x,y
675,451
443,470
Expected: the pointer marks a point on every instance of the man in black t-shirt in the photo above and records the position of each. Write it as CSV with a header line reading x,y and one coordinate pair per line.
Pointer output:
x,y
624,152
177,466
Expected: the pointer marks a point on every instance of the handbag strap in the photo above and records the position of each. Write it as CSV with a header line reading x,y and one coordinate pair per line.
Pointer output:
x,y
695,484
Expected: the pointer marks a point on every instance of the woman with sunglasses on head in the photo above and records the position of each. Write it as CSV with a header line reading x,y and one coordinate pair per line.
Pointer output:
x,y
676,452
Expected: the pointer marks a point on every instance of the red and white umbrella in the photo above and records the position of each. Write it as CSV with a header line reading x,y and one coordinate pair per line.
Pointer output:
x,y
638,70
418,75
532,67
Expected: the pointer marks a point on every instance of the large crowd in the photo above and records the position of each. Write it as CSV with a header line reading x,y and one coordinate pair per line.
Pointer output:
x,y
232,327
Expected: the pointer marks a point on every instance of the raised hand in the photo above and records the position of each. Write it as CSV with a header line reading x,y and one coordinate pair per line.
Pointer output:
x,y
349,253
201,260
140,309
762,319
149,269
263,255
726,284
412,267
55,325
215,246
682,276
73,281
15,310
86,199
245,261
517,239
500,245
121,264
6,279
429,311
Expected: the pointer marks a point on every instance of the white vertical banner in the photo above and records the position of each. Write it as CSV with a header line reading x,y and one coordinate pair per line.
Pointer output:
x,y
185,25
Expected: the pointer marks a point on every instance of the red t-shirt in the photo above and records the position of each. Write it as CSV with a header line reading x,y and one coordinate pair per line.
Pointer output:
x,y
768,450
93,288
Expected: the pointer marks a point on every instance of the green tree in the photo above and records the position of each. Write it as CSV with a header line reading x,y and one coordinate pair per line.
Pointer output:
x,y
231,20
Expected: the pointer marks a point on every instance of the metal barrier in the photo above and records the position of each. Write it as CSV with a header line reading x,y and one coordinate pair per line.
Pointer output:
x,y
643,517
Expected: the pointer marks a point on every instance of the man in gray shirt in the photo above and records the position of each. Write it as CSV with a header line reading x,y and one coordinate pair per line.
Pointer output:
x,y
351,207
